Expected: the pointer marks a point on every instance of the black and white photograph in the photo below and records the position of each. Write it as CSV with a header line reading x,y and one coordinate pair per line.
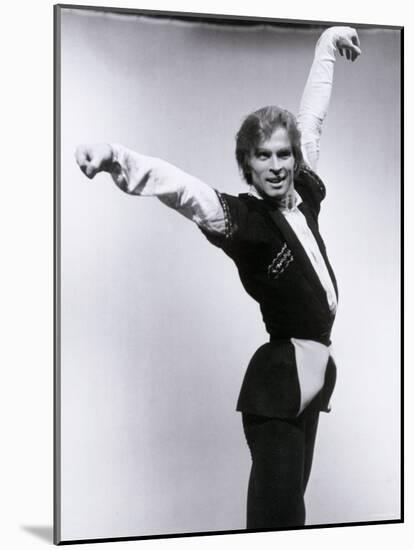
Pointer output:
x,y
228,274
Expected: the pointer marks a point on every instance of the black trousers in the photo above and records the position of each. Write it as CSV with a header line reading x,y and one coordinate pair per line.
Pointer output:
x,y
282,453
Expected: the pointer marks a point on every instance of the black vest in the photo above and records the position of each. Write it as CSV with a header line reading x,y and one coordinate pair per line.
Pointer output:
x,y
276,272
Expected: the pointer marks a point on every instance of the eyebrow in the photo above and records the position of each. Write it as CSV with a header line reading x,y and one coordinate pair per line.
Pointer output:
x,y
267,150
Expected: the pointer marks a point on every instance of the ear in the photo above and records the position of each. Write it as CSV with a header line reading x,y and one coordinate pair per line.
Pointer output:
x,y
247,157
296,167
247,171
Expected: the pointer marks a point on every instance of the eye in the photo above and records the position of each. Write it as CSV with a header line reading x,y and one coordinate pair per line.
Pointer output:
x,y
262,155
285,154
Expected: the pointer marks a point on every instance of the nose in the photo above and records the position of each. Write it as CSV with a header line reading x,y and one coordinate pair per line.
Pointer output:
x,y
274,163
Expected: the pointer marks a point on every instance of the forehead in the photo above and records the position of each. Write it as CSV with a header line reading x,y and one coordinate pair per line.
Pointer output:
x,y
278,140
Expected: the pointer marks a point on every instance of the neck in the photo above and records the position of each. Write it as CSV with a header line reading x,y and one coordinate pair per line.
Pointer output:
x,y
287,202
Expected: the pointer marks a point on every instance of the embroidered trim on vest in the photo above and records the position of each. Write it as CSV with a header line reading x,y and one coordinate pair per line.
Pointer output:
x,y
227,216
280,263
315,178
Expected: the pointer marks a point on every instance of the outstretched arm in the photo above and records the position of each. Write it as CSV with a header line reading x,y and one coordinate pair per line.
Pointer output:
x,y
317,93
148,176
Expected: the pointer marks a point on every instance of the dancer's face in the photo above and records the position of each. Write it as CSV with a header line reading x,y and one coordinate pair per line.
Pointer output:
x,y
272,165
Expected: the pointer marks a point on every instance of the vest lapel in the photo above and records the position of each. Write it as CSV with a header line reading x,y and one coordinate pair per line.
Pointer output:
x,y
298,253
315,231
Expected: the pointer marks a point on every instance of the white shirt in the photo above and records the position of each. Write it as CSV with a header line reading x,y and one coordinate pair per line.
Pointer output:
x,y
298,223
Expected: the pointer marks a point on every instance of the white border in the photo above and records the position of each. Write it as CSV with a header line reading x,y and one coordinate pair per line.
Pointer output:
x,y
26,289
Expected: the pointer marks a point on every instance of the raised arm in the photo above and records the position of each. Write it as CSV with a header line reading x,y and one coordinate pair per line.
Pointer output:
x,y
317,93
148,176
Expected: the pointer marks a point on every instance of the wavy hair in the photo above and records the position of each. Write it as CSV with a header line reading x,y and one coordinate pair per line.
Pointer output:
x,y
259,126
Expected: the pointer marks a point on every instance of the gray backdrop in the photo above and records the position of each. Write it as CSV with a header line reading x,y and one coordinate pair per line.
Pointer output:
x,y
156,329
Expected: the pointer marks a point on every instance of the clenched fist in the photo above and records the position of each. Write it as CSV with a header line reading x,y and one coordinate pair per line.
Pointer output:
x,y
95,158
347,41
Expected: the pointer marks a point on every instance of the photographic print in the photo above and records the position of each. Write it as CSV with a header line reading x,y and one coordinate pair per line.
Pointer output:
x,y
228,274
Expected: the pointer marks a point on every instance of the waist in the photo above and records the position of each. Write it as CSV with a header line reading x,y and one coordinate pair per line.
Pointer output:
x,y
324,338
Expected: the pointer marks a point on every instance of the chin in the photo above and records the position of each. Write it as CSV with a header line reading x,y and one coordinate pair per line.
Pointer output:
x,y
277,193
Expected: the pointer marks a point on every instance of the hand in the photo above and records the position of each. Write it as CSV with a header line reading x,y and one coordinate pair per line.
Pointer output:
x,y
94,158
347,41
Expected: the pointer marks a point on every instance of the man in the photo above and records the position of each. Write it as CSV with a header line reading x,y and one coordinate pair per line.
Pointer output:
x,y
272,235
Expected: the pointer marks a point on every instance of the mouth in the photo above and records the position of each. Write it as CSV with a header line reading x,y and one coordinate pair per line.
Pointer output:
x,y
276,183
277,180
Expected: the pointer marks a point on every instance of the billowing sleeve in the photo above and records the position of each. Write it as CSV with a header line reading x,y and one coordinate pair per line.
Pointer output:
x,y
316,96
146,176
